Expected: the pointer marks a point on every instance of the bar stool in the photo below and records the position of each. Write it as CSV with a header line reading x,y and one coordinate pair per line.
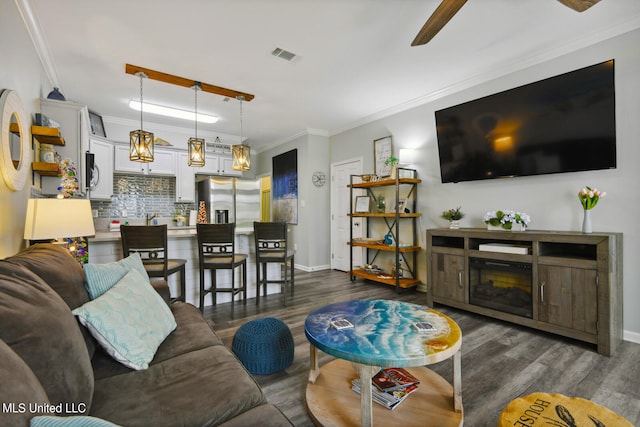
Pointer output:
x,y
272,246
216,251
150,241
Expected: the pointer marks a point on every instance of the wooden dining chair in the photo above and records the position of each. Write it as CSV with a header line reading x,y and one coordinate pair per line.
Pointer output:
x,y
272,246
217,251
151,242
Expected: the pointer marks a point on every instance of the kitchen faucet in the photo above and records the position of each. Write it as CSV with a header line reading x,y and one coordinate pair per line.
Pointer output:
x,y
151,218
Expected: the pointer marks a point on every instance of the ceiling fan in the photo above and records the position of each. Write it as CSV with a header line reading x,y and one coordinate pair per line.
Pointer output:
x,y
445,11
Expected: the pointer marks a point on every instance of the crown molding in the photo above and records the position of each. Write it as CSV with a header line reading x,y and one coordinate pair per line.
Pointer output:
x,y
39,42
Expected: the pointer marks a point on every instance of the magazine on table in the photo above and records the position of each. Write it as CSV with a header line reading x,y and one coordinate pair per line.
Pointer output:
x,y
389,400
390,379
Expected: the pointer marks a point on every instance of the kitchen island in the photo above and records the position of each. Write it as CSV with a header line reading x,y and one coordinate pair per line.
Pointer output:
x,y
106,246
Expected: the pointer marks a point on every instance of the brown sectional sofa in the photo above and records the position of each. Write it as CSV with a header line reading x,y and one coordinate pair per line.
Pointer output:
x,y
49,362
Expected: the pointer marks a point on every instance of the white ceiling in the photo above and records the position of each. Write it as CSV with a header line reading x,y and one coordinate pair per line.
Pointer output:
x,y
354,62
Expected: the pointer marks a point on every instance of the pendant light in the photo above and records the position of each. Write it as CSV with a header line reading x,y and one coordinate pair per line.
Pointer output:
x,y
140,141
196,145
241,152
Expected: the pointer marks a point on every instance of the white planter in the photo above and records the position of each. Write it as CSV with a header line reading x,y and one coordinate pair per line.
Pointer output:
x,y
454,224
495,228
518,227
514,227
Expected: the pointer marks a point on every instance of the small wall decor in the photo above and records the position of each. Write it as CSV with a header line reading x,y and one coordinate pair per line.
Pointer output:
x,y
382,151
285,187
362,204
97,126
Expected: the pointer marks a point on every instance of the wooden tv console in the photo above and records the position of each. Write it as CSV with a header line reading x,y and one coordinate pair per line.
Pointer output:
x,y
576,286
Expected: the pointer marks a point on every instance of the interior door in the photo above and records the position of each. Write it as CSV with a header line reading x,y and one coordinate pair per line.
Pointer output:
x,y
340,199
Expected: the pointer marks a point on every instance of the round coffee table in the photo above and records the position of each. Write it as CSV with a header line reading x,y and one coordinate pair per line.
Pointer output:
x,y
384,334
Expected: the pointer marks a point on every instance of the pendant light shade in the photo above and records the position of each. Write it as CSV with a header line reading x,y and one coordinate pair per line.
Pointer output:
x,y
241,152
241,157
141,141
196,145
196,152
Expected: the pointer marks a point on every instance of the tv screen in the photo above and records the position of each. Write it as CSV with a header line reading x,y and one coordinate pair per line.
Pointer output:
x,y
564,123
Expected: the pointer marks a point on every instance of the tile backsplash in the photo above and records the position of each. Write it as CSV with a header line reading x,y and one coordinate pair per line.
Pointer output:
x,y
139,195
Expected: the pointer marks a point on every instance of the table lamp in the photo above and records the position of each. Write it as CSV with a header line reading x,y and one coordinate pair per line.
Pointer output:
x,y
66,220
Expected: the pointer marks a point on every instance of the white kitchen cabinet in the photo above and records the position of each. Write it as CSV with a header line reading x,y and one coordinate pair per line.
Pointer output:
x,y
185,179
101,184
74,127
164,162
218,165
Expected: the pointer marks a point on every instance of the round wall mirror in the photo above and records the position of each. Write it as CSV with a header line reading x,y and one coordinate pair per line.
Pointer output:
x,y
14,141
15,151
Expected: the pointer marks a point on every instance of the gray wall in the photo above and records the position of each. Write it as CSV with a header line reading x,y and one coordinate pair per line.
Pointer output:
x,y
311,234
550,200
21,71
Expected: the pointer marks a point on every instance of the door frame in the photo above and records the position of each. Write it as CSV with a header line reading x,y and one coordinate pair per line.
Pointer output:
x,y
334,192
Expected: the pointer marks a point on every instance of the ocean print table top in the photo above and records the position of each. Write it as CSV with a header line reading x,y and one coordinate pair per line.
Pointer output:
x,y
384,333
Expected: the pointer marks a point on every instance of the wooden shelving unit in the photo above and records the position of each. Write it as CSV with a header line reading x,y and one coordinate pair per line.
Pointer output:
x,y
45,169
402,253
45,135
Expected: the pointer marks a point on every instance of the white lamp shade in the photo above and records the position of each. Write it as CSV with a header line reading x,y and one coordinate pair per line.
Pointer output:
x,y
407,156
55,218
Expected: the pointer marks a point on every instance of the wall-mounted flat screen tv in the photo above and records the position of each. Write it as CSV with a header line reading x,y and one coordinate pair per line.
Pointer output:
x,y
565,123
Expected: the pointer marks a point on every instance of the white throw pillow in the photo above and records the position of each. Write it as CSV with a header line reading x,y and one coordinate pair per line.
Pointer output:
x,y
130,320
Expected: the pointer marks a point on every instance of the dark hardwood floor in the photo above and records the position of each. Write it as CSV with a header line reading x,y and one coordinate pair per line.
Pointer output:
x,y
500,361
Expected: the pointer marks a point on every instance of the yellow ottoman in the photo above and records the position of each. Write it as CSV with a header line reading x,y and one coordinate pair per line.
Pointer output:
x,y
542,409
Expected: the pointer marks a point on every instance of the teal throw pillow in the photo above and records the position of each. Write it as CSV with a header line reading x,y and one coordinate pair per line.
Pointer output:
x,y
77,421
101,277
130,320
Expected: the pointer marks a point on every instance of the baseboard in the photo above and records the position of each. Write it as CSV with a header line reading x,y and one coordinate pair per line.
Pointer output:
x,y
631,336
312,268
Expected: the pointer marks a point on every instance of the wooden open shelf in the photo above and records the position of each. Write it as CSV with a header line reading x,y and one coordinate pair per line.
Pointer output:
x,y
45,169
383,182
46,135
383,247
385,215
386,278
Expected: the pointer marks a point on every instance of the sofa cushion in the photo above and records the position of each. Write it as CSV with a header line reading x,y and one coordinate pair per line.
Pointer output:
x,y
202,388
19,388
263,416
59,270
191,333
130,320
77,421
54,265
38,325
102,277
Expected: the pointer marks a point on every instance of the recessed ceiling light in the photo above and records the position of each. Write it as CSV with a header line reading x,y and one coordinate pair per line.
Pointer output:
x,y
172,112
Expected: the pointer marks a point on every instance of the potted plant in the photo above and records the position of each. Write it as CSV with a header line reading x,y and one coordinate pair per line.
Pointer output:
x,y
507,220
453,216
589,199
393,161
179,219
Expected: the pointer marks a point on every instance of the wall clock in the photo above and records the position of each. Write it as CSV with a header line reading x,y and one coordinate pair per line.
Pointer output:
x,y
318,178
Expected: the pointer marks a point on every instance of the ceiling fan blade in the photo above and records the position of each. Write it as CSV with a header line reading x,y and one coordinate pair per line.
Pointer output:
x,y
579,5
437,20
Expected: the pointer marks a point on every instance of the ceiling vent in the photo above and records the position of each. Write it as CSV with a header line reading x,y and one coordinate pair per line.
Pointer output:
x,y
284,54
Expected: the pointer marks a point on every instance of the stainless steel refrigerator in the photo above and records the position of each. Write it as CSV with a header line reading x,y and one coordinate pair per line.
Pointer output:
x,y
229,199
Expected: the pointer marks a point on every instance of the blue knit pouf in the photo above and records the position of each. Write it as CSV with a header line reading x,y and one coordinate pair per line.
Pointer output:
x,y
264,346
